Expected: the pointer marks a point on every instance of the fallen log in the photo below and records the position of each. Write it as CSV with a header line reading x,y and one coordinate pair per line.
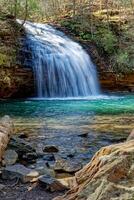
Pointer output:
x,y
6,130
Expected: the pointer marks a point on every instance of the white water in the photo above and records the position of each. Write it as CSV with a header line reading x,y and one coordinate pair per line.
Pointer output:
x,y
61,67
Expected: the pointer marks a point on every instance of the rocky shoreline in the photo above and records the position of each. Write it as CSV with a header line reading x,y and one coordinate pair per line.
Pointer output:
x,y
28,171
108,176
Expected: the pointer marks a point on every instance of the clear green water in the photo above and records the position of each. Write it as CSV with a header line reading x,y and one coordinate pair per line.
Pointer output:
x,y
68,112
106,120
40,108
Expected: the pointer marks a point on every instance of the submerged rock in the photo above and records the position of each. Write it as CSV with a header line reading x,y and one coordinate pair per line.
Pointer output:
x,y
30,157
21,146
19,171
108,176
10,157
24,150
49,157
51,183
51,149
84,135
2,187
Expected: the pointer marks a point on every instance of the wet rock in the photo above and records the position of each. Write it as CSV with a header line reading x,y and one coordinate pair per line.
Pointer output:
x,y
48,157
22,147
44,170
10,157
2,187
67,165
30,157
84,135
39,150
22,135
108,176
51,149
19,171
51,183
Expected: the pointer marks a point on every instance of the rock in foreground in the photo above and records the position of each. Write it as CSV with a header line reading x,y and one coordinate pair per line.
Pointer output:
x,y
51,183
19,171
109,175
10,157
6,130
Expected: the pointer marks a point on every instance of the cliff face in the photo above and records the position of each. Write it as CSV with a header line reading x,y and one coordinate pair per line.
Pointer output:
x,y
18,83
111,82
15,80
109,175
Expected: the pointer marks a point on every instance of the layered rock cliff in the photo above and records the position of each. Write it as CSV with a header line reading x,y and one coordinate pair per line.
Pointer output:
x,y
108,176
15,80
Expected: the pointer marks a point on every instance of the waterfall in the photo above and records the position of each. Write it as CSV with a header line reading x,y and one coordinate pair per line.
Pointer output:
x,y
61,66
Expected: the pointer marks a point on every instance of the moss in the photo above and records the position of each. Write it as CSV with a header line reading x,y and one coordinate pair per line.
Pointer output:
x,y
4,59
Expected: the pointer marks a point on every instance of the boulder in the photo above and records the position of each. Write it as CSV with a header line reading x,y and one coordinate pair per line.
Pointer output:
x,y
51,149
42,169
21,146
19,171
51,183
108,176
6,130
69,166
10,157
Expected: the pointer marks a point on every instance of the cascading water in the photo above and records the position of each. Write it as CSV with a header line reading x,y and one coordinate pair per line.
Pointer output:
x,y
61,67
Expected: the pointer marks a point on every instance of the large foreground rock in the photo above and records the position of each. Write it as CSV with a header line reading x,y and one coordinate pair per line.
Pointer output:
x,y
51,183
19,171
6,130
109,175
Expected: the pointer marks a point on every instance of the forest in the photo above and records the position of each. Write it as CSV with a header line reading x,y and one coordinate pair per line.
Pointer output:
x,y
107,23
67,99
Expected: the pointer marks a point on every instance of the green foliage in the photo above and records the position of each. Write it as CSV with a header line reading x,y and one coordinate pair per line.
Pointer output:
x,y
122,58
106,40
85,36
108,25
122,62
73,26
4,59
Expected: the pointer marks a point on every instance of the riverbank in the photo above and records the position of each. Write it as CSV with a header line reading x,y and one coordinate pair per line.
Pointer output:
x,y
27,171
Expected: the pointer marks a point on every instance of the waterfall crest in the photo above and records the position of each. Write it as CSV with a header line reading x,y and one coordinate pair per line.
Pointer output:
x,y
61,66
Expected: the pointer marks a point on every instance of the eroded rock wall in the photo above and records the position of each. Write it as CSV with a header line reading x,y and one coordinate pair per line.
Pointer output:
x,y
109,175
15,80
